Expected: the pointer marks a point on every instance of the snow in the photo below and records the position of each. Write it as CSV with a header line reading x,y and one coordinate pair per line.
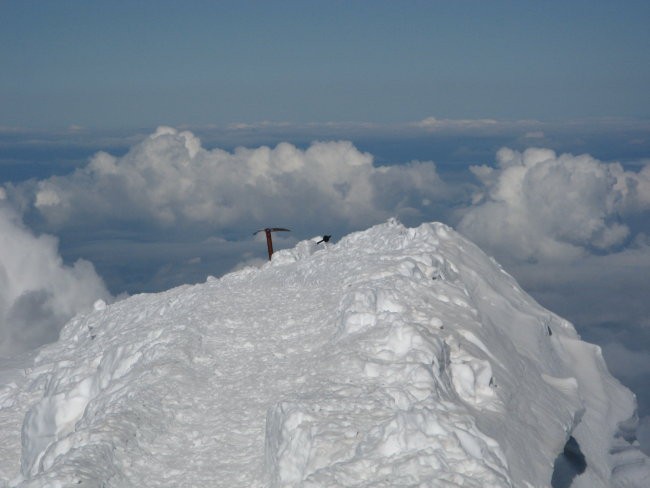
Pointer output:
x,y
395,357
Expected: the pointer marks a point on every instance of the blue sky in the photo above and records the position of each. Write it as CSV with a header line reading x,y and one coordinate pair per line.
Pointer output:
x,y
525,125
124,64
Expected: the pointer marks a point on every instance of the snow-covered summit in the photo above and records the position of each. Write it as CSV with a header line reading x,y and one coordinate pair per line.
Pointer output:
x,y
396,357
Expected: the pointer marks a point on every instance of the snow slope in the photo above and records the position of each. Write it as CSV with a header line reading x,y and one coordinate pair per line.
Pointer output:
x,y
396,357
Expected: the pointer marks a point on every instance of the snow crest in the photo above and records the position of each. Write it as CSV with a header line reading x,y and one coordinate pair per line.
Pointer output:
x,y
396,357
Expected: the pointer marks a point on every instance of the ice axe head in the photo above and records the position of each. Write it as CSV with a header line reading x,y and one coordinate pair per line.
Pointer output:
x,y
269,241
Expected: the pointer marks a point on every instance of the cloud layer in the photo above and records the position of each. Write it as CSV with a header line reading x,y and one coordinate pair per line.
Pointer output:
x,y
38,292
169,181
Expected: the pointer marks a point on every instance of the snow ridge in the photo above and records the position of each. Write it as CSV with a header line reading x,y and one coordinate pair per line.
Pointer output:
x,y
396,357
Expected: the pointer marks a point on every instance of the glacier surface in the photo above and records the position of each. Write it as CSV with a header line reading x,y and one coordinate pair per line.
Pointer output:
x,y
395,357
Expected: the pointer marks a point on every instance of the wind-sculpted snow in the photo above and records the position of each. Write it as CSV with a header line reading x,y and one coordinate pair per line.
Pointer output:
x,y
396,357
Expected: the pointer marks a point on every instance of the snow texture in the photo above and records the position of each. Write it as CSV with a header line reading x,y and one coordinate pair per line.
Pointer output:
x,y
396,357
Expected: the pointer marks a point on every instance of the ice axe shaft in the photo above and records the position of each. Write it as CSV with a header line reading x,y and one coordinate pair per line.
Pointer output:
x,y
269,240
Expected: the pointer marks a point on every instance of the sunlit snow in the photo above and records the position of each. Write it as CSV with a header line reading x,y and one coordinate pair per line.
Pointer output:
x,y
395,357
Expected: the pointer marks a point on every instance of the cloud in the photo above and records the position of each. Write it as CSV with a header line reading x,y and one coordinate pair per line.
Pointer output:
x,y
643,434
265,124
635,188
625,363
38,293
169,180
536,205
434,124
597,290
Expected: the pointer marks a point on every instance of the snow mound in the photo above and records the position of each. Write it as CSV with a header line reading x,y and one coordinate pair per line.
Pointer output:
x,y
396,357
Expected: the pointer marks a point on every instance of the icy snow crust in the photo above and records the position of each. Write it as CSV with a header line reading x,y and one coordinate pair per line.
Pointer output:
x,y
397,357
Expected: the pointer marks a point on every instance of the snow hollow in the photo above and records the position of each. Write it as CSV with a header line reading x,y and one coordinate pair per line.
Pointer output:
x,y
396,357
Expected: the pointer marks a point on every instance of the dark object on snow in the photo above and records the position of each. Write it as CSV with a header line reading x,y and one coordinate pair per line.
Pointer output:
x,y
324,239
568,465
269,241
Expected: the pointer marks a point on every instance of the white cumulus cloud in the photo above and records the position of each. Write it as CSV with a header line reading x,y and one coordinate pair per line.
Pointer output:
x,y
38,292
169,179
536,205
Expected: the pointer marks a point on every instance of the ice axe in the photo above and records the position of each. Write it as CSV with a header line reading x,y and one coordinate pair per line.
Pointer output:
x,y
269,241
